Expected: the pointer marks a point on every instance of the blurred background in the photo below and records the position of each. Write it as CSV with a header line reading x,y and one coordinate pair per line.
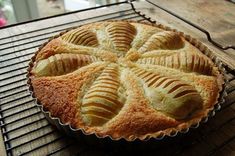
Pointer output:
x,y
15,11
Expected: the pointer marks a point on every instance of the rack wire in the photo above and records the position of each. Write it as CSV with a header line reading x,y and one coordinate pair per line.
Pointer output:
x,y
25,129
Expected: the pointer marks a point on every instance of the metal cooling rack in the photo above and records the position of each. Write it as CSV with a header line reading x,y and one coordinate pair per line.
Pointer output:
x,y
26,131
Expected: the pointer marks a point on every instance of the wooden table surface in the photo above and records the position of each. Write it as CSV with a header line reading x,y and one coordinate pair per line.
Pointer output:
x,y
216,137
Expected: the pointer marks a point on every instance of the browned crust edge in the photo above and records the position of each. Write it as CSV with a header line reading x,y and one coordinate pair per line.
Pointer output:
x,y
183,127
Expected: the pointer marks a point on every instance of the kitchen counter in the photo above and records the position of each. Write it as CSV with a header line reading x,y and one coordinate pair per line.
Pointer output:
x,y
24,129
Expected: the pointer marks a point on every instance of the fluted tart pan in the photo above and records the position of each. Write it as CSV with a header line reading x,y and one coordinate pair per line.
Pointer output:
x,y
135,80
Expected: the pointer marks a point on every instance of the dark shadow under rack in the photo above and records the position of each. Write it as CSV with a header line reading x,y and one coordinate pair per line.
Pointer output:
x,y
15,98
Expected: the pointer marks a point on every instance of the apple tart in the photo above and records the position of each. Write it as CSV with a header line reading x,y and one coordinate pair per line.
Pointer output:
x,y
125,79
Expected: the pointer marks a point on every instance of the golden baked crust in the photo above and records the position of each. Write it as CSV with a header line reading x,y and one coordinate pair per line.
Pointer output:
x,y
125,80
